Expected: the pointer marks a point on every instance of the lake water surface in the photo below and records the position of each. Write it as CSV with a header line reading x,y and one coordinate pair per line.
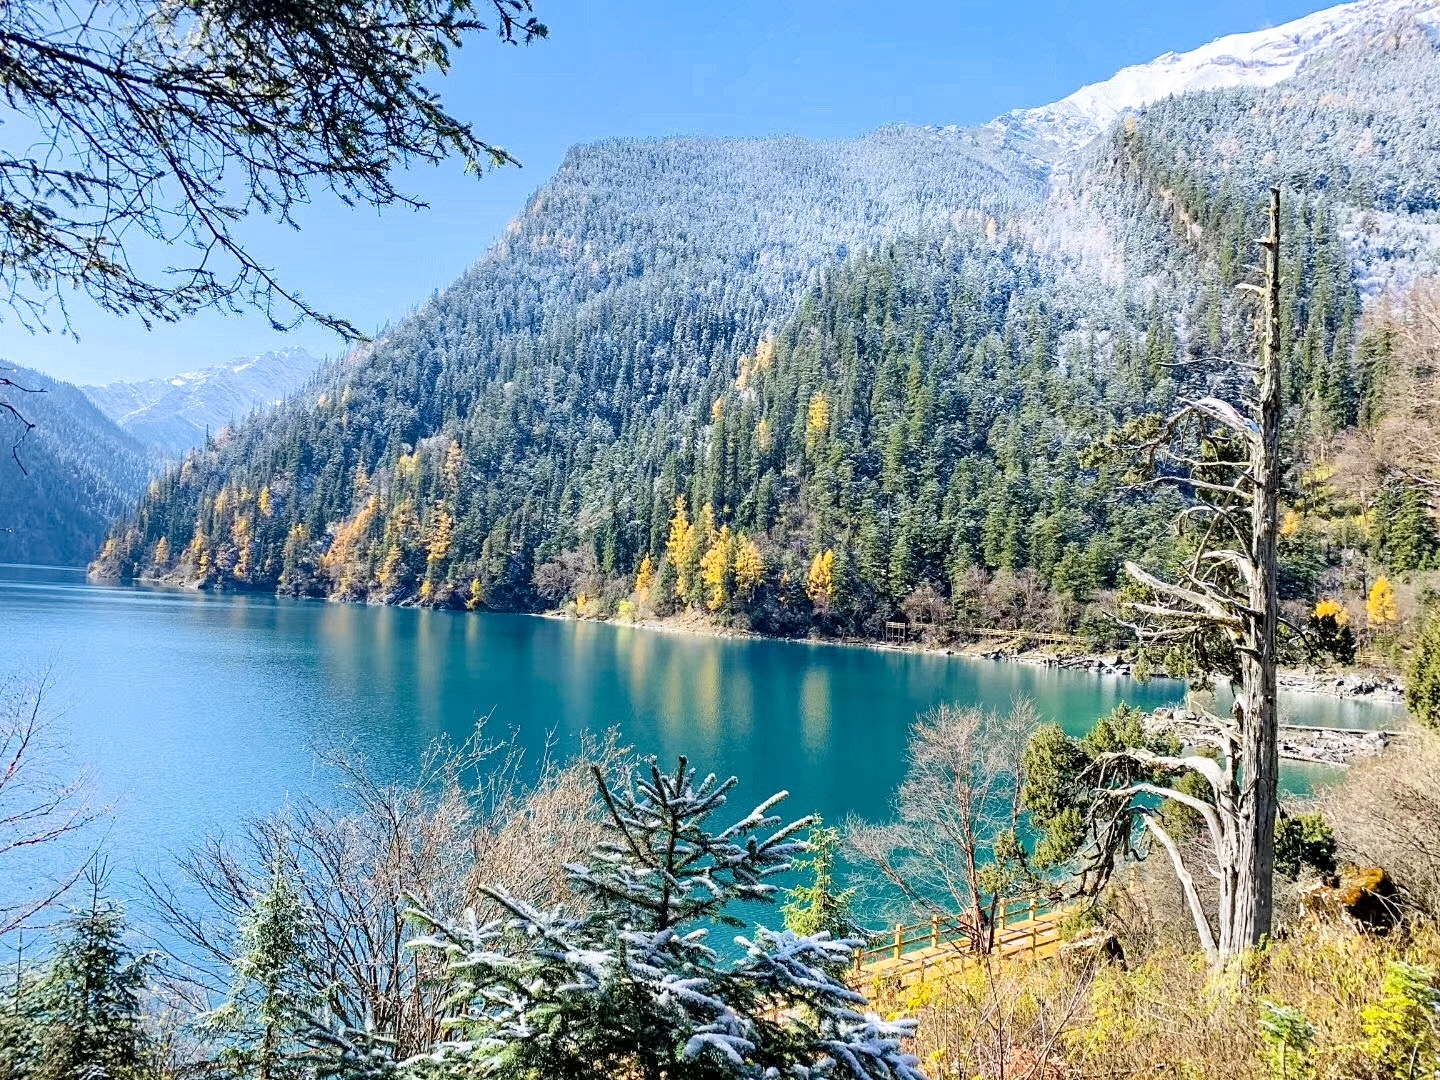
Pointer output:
x,y
196,711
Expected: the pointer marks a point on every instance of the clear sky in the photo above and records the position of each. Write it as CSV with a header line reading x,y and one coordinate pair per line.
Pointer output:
x,y
820,68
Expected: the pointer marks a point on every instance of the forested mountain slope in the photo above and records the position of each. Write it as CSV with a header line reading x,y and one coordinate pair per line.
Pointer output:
x,y
76,473
175,414
810,385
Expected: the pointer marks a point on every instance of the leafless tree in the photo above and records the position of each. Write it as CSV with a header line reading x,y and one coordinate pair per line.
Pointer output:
x,y
1225,610
1402,437
926,604
952,844
1387,813
358,866
41,803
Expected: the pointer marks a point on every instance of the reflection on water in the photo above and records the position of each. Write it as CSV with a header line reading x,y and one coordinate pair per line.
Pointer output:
x,y
199,710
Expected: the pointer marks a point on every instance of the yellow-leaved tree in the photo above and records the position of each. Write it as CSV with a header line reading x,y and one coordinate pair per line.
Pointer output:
x,y
453,469
442,535
645,576
749,566
391,569
684,547
715,569
348,548
162,553
817,418
243,537
1380,607
820,582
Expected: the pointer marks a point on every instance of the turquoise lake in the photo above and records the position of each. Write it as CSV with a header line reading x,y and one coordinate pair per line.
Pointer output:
x,y
195,711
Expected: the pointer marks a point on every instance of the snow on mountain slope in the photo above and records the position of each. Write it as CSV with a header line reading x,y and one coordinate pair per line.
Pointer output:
x,y
1259,58
173,414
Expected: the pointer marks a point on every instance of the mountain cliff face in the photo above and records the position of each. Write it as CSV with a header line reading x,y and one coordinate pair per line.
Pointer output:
x,y
810,385
69,478
174,415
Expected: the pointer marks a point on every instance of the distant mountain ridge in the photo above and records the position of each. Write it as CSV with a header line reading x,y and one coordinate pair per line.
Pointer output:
x,y
174,414
76,473
1259,58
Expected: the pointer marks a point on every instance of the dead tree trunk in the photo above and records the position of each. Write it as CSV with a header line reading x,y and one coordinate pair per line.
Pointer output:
x,y
1226,606
1255,707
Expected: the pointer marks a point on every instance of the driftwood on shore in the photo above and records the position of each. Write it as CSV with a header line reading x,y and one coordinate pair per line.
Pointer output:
x,y
1298,742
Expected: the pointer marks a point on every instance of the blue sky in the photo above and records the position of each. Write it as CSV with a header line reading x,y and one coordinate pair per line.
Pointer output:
x,y
820,68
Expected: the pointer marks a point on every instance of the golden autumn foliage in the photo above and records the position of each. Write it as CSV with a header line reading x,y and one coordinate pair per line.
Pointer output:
x,y
820,582
1332,609
390,570
476,596
817,417
684,548
715,567
1380,607
442,536
764,436
764,355
243,537
453,468
265,502
161,557
645,576
1290,525
351,545
749,566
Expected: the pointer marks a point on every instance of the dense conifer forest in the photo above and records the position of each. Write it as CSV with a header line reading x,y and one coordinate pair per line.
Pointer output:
x,y
67,478
822,386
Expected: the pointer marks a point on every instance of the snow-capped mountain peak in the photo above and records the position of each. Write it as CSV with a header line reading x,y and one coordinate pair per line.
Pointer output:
x,y
1258,58
173,414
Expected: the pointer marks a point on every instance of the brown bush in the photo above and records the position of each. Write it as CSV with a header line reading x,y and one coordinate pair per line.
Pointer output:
x,y
1387,813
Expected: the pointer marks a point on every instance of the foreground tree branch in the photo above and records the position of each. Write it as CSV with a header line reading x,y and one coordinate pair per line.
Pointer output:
x,y
40,805
147,127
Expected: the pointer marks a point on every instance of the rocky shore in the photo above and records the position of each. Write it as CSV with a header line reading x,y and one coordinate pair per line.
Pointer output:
x,y
1372,685
1298,742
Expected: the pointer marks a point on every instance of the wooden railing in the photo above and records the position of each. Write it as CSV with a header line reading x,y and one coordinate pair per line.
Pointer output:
x,y
1054,637
950,930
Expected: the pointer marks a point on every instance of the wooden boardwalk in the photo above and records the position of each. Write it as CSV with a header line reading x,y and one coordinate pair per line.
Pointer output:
x,y
946,946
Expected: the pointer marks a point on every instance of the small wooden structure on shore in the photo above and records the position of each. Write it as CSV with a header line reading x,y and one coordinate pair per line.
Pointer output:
x,y
946,945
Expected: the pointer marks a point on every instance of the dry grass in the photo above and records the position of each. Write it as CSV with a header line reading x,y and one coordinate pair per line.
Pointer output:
x,y
1164,1015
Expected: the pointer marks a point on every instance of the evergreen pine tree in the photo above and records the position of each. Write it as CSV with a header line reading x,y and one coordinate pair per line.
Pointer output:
x,y
269,999
633,988
1422,680
91,1022
819,905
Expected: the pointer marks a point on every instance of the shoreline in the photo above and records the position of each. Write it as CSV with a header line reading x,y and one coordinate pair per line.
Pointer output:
x,y
1019,646
1363,684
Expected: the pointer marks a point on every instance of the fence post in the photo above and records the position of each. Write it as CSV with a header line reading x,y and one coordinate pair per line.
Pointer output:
x,y
899,940
934,931
1034,914
858,954
1002,911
